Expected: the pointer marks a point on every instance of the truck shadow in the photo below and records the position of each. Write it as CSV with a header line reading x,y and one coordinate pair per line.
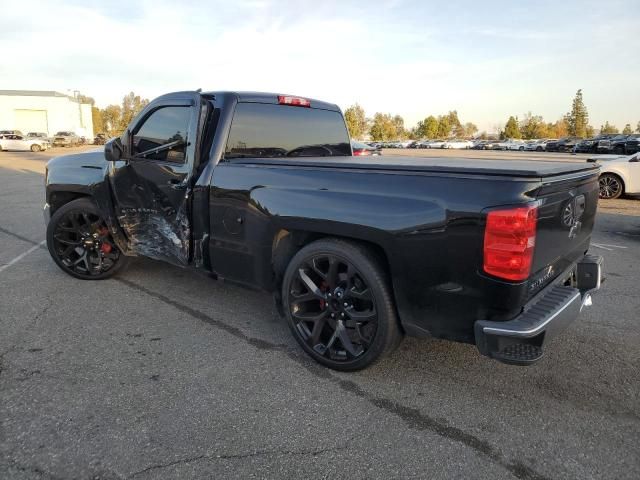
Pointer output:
x,y
421,369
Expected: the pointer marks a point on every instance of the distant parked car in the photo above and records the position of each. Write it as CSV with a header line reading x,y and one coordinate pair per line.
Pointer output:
x,y
615,144
10,132
565,144
458,143
632,144
539,145
618,175
514,145
65,139
21,143
100,139
590,145
362,149
435,143
39,136
480,145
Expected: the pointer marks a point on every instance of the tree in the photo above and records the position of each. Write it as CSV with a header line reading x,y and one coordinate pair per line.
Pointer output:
x,y
444,127
382,127
591,132
558,129
511,129
96,117
627,130
428,128
111,118
578,117
638,127
533,126
608,128
356,121
398,122
131,106
470,129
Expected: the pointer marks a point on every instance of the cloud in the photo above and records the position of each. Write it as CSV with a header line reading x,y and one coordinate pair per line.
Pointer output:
x,y
398,57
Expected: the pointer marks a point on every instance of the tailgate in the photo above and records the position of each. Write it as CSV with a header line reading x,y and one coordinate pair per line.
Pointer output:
x,y
566,217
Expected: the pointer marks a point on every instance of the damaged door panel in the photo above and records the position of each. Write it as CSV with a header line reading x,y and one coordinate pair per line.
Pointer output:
x,y
152,183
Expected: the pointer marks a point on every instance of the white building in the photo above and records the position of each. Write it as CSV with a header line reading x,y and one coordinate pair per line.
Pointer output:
x,y
43,111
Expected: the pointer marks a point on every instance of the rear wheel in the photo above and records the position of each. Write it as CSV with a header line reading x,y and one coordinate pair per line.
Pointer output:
x,y
80,243
339,306
611,186
35,148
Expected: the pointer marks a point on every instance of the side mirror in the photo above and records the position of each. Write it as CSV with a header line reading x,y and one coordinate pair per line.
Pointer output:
x,y
113,150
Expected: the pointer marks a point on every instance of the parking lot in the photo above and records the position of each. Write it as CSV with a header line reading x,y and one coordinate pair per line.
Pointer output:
x,y
166,373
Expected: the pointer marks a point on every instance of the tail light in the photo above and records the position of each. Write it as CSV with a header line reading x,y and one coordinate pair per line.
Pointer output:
x,y
361,153
509,241
294,101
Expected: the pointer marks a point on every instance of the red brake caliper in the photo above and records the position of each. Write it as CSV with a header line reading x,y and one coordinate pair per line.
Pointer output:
x,y
106,246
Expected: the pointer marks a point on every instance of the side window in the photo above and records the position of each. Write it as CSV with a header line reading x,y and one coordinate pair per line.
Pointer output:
x,y
163,135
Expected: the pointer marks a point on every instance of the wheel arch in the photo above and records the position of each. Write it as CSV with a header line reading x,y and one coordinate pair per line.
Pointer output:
x,y
286,243
621,175
59,198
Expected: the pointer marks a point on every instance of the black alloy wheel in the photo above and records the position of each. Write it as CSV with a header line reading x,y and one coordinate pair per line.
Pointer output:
x,y
339,306
80,243
610,186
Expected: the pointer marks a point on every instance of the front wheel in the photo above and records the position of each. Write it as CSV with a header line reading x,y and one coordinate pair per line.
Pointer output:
x,y
80,243
35,148
610,185
338,304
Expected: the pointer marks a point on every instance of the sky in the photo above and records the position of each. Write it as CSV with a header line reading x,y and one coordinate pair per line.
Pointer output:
x,y
487,60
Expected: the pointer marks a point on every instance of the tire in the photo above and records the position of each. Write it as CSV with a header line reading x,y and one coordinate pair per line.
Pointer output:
x,y
80,243
338,303
521,149
35,148
611,186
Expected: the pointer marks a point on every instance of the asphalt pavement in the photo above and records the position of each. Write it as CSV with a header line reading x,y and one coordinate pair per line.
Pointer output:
x,y
166,373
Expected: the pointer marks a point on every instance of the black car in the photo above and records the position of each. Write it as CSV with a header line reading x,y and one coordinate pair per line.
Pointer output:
x,y
362,149
590,145
565,144
481,145
632,144
615,144
357,251
100,139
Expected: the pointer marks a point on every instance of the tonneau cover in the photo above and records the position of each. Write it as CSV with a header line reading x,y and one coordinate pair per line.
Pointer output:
x,y
512,168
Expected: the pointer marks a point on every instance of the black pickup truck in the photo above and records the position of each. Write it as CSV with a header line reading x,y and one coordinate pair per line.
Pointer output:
x,y
263,190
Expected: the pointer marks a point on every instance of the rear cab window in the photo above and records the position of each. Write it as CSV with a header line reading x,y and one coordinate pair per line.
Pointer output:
x,y
261,130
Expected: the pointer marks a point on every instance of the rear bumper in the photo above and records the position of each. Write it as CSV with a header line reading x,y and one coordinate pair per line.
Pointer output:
x,y
521,341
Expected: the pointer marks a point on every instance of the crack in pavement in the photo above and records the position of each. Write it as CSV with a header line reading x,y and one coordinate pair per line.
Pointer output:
x,y
412,417
31,469
214,458
19,237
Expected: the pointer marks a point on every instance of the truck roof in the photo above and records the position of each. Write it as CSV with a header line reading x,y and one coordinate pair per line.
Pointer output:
x,y
266,97
511,168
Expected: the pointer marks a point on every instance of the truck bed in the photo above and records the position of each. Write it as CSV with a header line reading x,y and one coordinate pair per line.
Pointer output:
x,y
465,166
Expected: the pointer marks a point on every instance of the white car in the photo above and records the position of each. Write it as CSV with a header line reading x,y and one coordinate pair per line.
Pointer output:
x,y
618,175
514,145
20,143
435,143
457,144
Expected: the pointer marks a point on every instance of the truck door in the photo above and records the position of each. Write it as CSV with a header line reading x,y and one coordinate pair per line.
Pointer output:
x,y
151,184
